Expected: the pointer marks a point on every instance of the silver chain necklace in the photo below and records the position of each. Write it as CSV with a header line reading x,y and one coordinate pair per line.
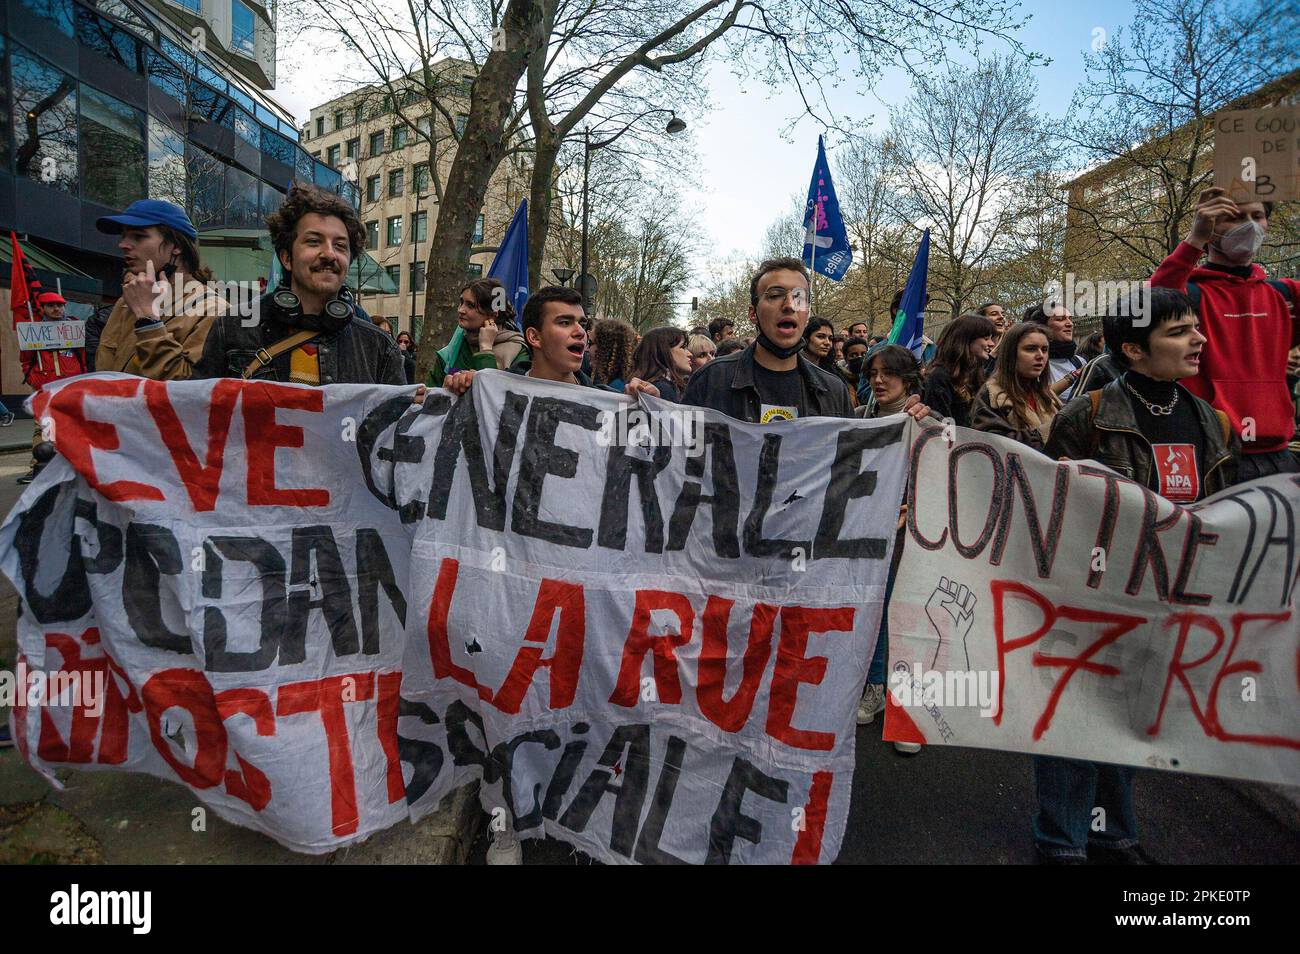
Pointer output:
x,y
1159,410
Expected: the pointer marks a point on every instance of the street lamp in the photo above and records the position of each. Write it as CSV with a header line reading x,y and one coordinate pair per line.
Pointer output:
x,y
562,275
415,255
674,126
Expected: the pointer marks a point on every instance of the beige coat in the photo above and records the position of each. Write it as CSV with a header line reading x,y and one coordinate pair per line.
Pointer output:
x,y
168,353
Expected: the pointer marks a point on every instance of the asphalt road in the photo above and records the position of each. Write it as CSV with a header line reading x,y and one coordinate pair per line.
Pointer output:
x,y
950,805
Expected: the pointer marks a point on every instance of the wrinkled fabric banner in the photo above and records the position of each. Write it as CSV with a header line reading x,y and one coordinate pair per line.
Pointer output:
x,y
644,628
1060,609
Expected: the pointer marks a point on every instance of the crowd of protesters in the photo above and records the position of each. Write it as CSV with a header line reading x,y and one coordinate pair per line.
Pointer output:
x,y
1202,366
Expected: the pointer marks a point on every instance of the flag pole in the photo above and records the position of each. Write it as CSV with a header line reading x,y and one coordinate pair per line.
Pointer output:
x,y
812,272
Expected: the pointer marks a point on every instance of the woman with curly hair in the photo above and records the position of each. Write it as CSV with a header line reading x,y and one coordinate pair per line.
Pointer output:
x,y
612,345
663,360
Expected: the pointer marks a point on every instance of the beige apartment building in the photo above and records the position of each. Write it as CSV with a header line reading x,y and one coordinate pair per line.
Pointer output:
x,y
386,148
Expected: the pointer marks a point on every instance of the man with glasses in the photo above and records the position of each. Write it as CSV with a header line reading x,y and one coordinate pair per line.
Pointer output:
x,y
770,380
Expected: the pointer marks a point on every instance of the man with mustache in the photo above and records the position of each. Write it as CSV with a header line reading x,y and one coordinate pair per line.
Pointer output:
x,y
308,330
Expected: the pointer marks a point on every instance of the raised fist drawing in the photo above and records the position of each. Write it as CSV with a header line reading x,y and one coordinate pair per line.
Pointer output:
x,y
951,609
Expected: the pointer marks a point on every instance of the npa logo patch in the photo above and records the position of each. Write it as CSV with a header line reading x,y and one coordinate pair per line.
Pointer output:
x,y
1176,467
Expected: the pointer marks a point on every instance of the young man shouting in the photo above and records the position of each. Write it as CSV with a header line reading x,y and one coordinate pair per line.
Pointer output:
x,y
556,340
770,380
1149,428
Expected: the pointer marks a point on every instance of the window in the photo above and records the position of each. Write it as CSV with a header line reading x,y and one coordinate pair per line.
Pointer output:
x,y
245,128
190,5
372,234
461,120
332,156
303,166
417,276
420,226
241,199
372,189
399,136
166,76
394,230
394,275
96,33
166,163
424,125
467,85
377,143
242,98
207,188
410,96
396,183
57,12
315,154
211,106
271,199
420,178
340,119
277,147
474,269
478,231
44,122
320,125
354,149
241,29
358,114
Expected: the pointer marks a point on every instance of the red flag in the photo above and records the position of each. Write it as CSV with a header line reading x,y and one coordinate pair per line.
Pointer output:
x,y
24,287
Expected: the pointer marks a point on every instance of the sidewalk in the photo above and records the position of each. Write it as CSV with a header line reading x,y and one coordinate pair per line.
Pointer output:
x,y
18,435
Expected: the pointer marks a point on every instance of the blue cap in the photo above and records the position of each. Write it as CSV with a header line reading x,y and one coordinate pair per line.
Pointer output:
x,y
145,212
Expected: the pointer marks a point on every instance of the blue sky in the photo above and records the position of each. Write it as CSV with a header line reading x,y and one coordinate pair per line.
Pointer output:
x,y
752,171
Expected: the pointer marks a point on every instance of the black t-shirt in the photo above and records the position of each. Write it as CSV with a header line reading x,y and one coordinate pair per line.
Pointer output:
x,y
1176,438
780,394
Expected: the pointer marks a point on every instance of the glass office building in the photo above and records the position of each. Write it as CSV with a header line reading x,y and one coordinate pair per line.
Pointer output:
x,y
105,102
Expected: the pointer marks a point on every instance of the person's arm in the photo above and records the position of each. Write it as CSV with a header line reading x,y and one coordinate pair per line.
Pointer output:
x,y
938,394
437,373
212,361
991,420
170,354
393,367
1174,271
1071,434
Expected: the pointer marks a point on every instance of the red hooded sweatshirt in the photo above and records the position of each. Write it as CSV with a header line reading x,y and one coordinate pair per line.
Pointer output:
x,y
1249,327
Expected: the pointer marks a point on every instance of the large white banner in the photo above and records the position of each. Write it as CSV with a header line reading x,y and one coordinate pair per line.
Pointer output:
x,y
1060,609
645,628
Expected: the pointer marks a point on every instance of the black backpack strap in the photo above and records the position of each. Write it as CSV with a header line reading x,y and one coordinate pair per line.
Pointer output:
x,y
1283,289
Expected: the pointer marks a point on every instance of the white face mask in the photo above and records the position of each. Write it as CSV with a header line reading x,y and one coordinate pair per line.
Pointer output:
x,y
1241,243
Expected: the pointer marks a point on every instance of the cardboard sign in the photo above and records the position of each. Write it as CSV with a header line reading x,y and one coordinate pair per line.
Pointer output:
x,y
1257,154
50,335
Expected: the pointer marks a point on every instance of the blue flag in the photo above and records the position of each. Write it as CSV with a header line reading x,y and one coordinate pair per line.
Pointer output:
x,y
907,330
510,266
826,241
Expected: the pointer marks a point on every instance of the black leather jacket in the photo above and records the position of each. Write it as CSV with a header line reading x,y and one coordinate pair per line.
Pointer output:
x,y
358,354
1112,437
726,384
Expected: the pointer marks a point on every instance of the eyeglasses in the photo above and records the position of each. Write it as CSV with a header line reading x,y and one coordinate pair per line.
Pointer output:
x,y
777,294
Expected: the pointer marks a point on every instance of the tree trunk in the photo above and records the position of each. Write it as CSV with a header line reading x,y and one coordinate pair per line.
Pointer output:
x,y
539,207
480,151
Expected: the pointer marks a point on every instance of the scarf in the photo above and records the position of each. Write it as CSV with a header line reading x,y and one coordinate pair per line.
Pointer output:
x,y
1056,350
